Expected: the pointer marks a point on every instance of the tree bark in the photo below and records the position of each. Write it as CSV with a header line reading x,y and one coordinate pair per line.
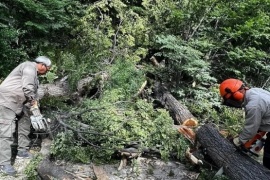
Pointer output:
x,y
236,164
62,87
47,170
178,111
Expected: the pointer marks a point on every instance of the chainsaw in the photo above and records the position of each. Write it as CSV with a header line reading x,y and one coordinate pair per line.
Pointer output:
x,y
254,145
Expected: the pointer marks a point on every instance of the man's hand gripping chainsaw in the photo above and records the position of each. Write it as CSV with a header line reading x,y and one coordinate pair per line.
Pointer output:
x,y
38,122
256,143
252,146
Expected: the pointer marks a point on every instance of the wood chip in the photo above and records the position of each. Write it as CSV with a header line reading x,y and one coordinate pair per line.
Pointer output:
x,y
100,173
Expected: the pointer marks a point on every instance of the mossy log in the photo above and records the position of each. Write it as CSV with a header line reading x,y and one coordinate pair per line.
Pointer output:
x,y
236,165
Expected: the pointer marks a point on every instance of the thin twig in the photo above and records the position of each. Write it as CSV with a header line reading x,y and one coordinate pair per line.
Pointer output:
x,y
202,19
73,129
80,113
115,40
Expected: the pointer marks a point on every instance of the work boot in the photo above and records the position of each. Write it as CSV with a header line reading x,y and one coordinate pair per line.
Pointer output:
x,y
8,170
23,153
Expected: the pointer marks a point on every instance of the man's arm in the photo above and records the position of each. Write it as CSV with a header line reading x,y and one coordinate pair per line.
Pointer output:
x,y
29,83
252,123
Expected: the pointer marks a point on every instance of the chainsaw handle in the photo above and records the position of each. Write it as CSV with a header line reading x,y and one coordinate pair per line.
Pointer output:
x,y
258,136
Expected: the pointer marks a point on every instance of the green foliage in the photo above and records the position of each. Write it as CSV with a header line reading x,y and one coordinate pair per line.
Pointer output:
x,y
65,146
184,61
201,42
204,102
43,17
30,170
206,106
241,39
10,53
158,15
210,174
55,103
124,78
111,25
254,63
118,124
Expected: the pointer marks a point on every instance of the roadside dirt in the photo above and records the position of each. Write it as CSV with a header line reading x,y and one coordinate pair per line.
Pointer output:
x,y
139,169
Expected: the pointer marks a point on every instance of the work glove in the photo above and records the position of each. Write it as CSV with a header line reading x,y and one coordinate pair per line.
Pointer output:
x,y
37,119
38,123
239,145
35,109
236,142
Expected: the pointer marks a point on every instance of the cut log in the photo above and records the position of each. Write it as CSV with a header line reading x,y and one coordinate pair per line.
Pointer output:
x,y
236,164
178,111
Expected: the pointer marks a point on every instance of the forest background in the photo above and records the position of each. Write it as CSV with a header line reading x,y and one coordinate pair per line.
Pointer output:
x,y
197,44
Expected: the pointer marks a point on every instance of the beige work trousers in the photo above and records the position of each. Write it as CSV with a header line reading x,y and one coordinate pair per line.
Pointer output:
x,y
7,128
24,127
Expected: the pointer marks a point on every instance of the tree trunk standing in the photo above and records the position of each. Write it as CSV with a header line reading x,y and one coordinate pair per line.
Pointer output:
x,y
236,165
178,111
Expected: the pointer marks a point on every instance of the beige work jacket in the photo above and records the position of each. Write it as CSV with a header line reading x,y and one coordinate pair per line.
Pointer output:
x,y
19,87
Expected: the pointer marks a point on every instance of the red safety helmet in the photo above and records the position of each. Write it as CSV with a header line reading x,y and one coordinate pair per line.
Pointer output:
x,y
230,89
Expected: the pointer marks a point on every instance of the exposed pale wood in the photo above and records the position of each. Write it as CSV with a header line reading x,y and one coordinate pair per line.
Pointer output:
x,y
141,89
188,133
154,61
236,165
193,159
100,173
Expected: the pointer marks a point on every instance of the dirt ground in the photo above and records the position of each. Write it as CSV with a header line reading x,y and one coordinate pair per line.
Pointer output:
x,y
139,169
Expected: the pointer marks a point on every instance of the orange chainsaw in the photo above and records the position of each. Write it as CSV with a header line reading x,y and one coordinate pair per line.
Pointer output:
x,y
255,144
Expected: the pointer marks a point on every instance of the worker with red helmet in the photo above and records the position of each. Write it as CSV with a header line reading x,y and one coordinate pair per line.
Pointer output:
x,y
256,103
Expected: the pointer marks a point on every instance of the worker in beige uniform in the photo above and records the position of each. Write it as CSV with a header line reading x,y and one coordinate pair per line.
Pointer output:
x,y
24,128
19,89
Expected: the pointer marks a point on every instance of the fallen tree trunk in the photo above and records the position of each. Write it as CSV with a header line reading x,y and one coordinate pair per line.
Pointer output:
x,y
178,111
62,88
236,165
